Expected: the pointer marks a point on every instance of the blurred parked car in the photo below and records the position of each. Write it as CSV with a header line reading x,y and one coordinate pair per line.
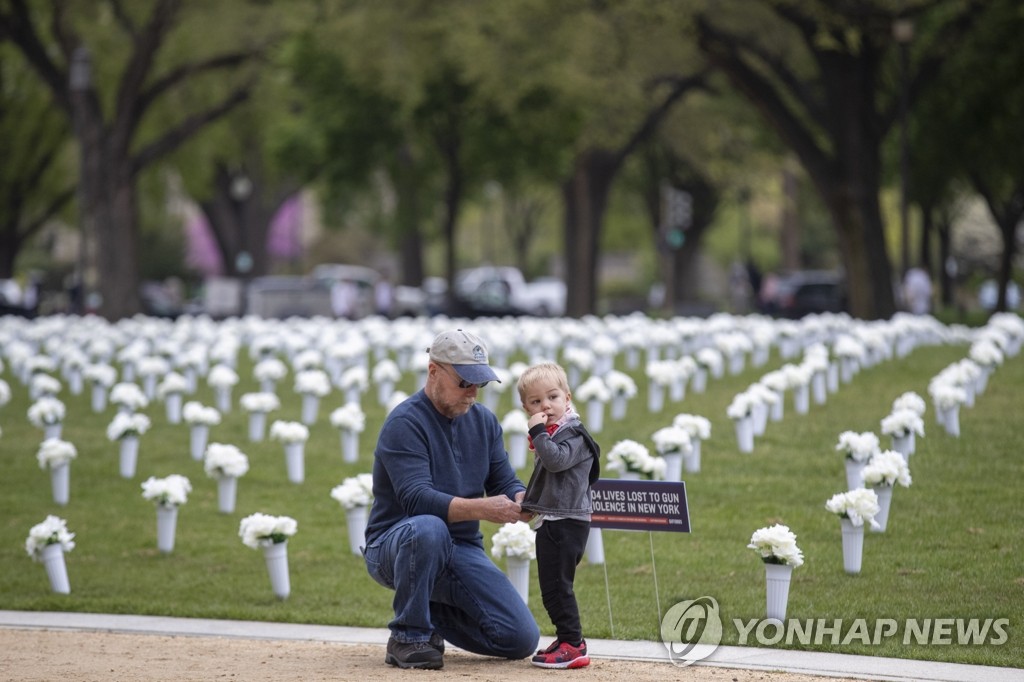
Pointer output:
x,y
795,294
499,291
988,295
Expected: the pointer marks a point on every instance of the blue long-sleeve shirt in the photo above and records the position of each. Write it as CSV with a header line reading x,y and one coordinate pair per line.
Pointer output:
x,y
423,460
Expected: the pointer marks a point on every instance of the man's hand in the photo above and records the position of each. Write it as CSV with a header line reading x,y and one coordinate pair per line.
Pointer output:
x,y
496,509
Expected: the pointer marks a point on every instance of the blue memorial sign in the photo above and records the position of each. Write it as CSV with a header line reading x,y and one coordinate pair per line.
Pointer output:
x,y
640,505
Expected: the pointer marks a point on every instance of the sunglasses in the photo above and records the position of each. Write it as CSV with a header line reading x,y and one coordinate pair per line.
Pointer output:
x,y
463,384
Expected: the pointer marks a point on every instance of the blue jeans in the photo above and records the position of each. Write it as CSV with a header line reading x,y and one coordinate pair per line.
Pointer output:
x,y
450,587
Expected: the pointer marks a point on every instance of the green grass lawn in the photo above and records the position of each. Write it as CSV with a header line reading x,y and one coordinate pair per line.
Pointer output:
x,y
952,549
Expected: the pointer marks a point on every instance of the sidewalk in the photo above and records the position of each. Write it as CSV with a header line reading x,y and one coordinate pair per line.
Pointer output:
x,y
810,663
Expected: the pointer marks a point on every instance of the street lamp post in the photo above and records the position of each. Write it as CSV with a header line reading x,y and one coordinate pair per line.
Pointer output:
x,y
903,33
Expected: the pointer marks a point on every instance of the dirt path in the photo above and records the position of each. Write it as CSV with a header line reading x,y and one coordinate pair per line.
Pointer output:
x,y
78,656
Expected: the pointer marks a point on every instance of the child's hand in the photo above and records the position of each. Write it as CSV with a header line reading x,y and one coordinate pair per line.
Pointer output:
x,y
538,418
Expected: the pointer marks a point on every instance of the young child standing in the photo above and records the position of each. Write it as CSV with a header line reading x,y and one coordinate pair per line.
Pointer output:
x,y
566,464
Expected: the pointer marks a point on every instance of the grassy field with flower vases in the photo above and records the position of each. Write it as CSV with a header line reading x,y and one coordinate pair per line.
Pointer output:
x,y
952,548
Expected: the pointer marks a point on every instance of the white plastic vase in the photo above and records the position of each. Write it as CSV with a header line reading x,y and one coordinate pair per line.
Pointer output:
x,y
222,395
75,383
276,556
884,493
489,398
60,483
618,407
853,546
677,389
295,461
655,397
384,391
166,526
673,466
53,430
149,386
56,569
595,416
626,475
257,426
777,579
198,435
227,494
699,382
518,570
355,519
129,456
517,450
310,407
691,462
778,408
853,475
832,378
904,445
349,445
819,389
736,362
951,420
759,418
353,395
595,546
172,406
744,433
99,397
802,399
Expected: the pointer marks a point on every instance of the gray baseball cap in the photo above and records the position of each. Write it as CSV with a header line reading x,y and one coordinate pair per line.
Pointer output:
x,y
466,353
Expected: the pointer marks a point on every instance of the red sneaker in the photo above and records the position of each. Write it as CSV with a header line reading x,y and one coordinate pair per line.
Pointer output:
x,y
562,655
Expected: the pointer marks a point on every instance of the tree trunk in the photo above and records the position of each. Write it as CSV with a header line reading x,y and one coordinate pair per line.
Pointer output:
x,y
585,195
410,247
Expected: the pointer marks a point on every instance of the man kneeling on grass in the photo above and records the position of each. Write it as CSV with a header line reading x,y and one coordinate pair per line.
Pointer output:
x,y
440,467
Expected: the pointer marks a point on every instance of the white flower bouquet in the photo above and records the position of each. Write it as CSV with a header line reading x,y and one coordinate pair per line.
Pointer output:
x,y
44,384
46,411
986,353
308,358
124,425
672,440
660,372
152,365
857,505
289,432
260,402
886,468
52,531
593,388
620,384
910,401
710,359
628,455
100,375
5,391
697,426
167,492
516,540
197,414
741,406
354,492
579,357
777,545
222,376
900,423
269,369
354,378
859,447
313,382
515,421
261,530
386,371
349,417
53,452
223,460
946,395
128,396
172,383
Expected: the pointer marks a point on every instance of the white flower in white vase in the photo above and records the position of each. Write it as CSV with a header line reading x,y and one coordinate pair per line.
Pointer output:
x,y
396,399
796,375
697,426
629,455
306,359
172,383
289,432
579,357
46,411
777,545
170,491
52,531
152,365
261,530
900,423
515,421
314,382
53,452
711,359
986,353
44,385
128,396
124,425
516,540
197,414
910,401
223,460
661,372
593,388
886,468
100,375
859,505
5,393
946,396
620,384
222,376
269,369
859,447
386,371
349,417
741,405
672,440
260,402
354,378
354,492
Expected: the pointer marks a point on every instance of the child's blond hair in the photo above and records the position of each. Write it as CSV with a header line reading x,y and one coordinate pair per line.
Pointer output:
x,y
546,370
